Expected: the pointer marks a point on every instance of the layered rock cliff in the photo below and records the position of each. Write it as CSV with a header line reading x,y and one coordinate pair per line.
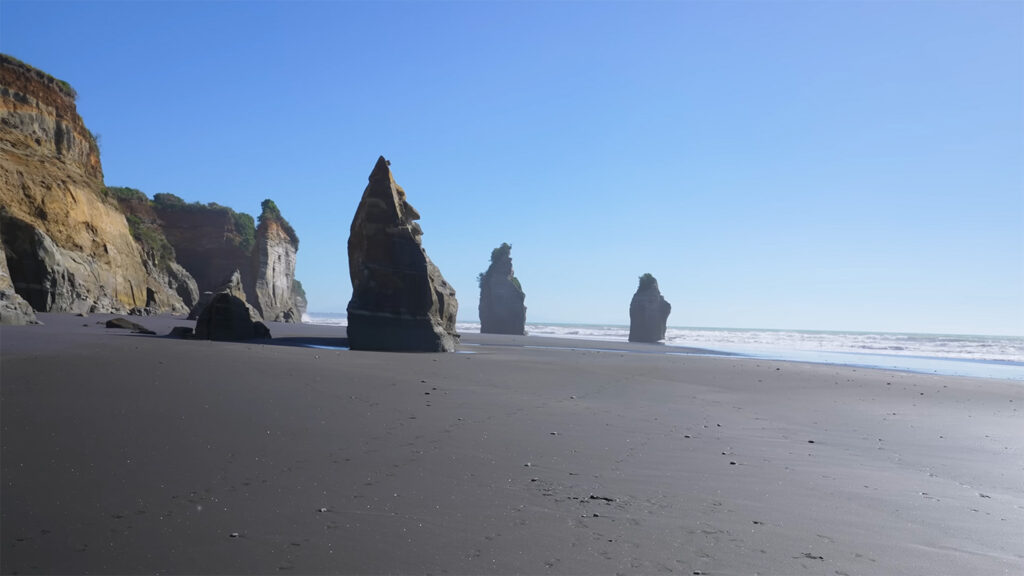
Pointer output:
x,y
648,312
400,300
68,248
274,267
212,241
501,296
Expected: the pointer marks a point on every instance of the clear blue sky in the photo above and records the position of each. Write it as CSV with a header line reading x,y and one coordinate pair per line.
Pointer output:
x,y
819,165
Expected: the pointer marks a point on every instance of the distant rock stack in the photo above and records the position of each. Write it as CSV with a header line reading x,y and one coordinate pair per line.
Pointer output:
x,y
400,300
501,296
648,312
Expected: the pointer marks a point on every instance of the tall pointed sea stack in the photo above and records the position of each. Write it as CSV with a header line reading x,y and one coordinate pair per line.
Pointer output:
x,y
648,312
400,301
501,297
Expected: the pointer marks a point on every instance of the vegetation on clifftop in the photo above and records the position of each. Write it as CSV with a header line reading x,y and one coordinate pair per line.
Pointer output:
x,y
243,224
146,231
502,255
647,281
270,212
62,85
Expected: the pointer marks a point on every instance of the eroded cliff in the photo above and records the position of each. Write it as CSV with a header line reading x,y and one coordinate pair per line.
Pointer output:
x,y
68,248
274,267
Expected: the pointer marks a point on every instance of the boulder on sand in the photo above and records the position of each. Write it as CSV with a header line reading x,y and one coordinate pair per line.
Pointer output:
x,y
228,317
400,300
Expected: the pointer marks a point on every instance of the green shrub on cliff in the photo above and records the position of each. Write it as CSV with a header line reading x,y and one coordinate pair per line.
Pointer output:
x,y
270,212
125,194
151,238
63,86
245,226
647,281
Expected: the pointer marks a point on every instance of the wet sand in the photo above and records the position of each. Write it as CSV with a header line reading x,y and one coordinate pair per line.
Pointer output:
x,y
126,453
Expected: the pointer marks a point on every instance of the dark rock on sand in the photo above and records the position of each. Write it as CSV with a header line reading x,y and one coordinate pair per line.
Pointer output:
x,y
126,324
501,296
228,317
400,300
231,285
183,332
648,312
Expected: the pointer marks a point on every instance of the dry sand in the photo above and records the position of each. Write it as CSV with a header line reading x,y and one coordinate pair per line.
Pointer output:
x,y
126,453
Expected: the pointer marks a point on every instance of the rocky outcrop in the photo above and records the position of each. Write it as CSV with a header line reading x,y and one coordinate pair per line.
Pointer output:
x,y
501,297
648,312
230,285
210,241
228,317
14,310
225,315
300,298
274,266
400,300
68,247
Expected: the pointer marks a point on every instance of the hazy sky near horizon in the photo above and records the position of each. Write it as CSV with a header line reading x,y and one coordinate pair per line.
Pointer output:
x,y
816,165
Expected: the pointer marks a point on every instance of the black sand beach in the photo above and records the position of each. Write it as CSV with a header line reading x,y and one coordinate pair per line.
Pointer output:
x,y
126,453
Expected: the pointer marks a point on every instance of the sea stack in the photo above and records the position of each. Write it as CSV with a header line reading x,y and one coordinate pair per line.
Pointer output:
x,y
648,312
274,265
400,300
501,296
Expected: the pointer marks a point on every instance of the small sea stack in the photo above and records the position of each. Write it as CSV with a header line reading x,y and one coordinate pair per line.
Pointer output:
x,y
501,296
648,312
400,300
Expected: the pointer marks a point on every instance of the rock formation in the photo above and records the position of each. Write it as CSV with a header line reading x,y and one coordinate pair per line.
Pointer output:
x,y
225,315
501,297
13,308
274,267
400,300
210,241
68,247
228,317
648,312
231,285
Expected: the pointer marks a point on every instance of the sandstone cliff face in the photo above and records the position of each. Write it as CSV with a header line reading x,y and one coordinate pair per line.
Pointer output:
x,y
400,300
274,267
68,249
207,242
648,312
501,297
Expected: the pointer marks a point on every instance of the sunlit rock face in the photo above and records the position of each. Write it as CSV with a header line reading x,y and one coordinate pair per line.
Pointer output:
x,y
648,312
68,248
400,300
274,267
501,296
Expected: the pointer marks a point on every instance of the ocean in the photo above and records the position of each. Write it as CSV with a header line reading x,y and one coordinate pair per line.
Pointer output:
x,y
956,355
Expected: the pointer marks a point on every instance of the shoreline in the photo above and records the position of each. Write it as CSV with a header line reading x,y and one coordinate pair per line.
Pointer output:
x,y
127,453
